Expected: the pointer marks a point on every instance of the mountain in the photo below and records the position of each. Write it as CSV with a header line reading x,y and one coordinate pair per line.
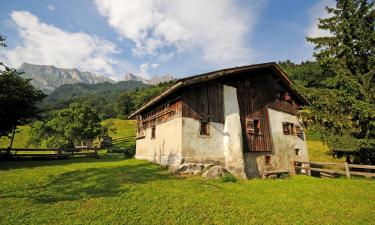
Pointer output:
x,y
48,78
132,77
153,81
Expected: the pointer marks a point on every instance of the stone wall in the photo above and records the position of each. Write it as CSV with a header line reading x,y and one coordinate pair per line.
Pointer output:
x,y
202,148
166,147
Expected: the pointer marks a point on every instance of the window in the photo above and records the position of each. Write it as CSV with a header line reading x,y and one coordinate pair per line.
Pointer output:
x,y
299,131
140,132
288,128
253,126
297,151
205,128
153,132
284,96
287,97
267,160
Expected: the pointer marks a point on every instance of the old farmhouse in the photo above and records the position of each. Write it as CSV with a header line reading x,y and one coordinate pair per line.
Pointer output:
x,y
244,118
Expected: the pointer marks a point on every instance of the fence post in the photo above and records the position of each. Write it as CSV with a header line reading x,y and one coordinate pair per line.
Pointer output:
x,y
347,170
292,168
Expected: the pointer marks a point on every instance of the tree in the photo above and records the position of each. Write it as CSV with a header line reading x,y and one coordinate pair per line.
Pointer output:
x,y
125,104
343,100
18,99
76,125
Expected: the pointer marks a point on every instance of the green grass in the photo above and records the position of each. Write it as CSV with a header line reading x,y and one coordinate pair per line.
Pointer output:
x,y
124,136
112,190
21,138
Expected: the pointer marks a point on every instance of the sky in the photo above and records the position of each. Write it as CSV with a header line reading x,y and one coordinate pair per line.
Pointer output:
x,y
157,37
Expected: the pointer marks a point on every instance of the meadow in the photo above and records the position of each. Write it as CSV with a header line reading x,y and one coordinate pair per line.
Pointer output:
x,y
114,190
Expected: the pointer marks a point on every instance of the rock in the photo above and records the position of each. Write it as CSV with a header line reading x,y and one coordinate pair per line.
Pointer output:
x,y
215,172
190,168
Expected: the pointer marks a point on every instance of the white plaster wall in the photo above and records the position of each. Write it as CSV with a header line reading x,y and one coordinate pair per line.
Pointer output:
x,y
283,147
166,147
202,148
232,139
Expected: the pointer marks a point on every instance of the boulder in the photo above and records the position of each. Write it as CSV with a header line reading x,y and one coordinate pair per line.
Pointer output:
x,y
215,172
190,168
193,168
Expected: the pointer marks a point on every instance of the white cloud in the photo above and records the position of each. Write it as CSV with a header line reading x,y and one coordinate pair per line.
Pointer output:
x,y
316,12
51,7
46,44
218,30
155,65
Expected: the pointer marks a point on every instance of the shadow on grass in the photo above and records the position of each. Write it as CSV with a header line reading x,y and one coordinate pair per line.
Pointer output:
x,y
90,183
38,162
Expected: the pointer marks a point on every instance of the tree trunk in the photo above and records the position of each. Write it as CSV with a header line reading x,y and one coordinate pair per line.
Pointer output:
x,y
11,142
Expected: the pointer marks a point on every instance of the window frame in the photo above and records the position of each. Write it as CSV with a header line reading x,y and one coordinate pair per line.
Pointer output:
x,y
204,128
153,132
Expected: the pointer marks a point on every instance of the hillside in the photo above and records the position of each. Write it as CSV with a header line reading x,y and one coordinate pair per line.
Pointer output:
x,y
48,77
102,96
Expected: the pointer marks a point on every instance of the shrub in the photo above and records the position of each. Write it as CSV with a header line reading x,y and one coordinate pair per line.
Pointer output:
x,y
228,178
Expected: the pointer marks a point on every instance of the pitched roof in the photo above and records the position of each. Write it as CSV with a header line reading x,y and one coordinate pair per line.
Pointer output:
x,y
220,74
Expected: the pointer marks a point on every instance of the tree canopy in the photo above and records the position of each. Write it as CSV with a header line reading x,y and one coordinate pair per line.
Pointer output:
x,y
342,97
76,125
18,99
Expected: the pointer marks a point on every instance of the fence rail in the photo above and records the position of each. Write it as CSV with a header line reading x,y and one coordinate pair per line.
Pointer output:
x,y
369,170
47,152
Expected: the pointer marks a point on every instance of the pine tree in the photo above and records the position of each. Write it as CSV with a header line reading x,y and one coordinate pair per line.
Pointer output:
x,y
343,106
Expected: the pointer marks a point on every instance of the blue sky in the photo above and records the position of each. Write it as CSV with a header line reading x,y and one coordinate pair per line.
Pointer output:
x,y
148,38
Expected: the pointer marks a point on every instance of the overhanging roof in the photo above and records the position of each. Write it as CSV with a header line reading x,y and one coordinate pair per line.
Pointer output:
x,y
184,82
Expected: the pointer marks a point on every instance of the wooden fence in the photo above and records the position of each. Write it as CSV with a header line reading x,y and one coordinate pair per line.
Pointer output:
x,y
344,169
47,152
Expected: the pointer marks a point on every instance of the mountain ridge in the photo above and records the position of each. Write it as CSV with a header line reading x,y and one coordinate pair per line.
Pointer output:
x,y
153,81
49,77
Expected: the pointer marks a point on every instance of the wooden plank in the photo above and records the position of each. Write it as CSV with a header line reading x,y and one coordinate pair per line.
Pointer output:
x,y
362,174
39,155
347,171
275,172
361,166
320,163
321,170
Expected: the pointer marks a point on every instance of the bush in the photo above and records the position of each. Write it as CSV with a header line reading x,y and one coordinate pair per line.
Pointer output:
x,y
228,178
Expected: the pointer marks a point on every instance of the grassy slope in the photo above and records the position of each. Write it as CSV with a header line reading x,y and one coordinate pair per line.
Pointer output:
x,y
125,137
111,190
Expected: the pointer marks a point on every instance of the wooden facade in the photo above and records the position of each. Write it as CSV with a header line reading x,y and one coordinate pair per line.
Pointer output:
x,y
204,102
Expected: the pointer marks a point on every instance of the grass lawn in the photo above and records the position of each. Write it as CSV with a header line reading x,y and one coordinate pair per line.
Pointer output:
x,y
113,190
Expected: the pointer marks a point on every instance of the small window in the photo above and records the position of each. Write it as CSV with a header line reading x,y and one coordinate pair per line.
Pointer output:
x,y
287,97
299,131
153,132
205,128
253,126
267,160
297,151
288,128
